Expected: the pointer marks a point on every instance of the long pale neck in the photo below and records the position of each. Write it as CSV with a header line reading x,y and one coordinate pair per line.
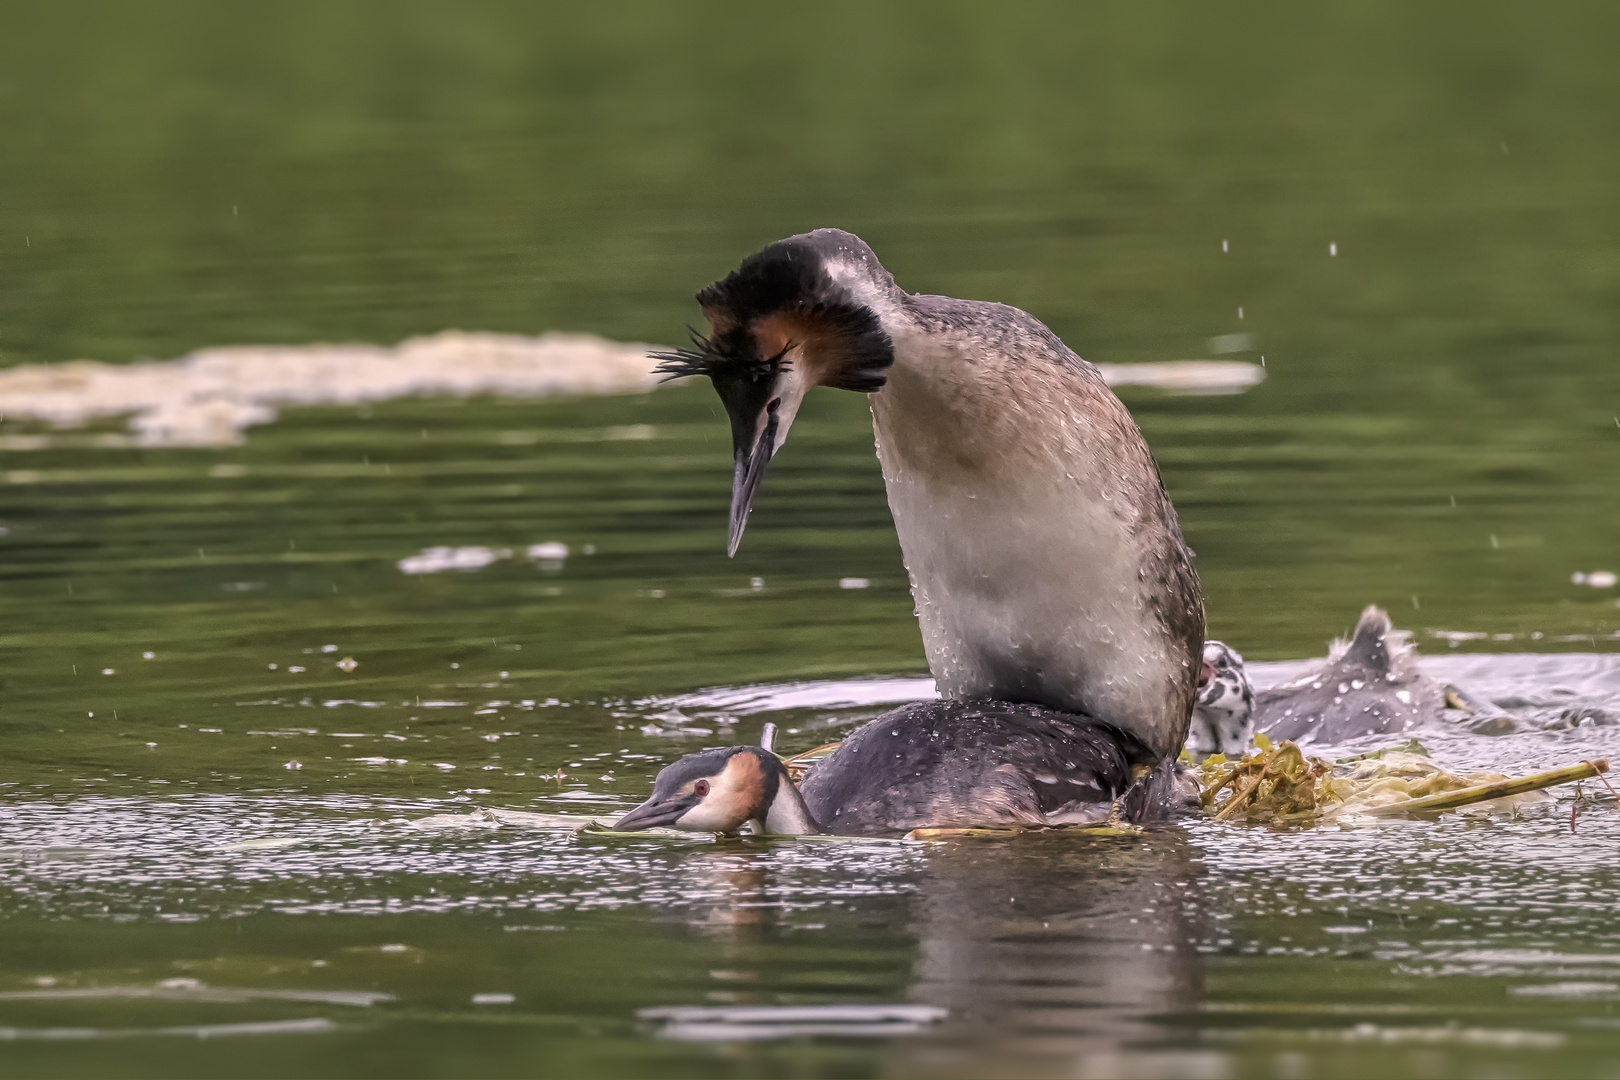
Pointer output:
x,y
1042,551
787,815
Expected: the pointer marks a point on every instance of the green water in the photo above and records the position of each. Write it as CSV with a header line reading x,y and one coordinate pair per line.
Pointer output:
x,y
1438,433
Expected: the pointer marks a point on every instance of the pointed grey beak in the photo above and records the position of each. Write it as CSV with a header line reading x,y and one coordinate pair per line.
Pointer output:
x,y
753,455
655,813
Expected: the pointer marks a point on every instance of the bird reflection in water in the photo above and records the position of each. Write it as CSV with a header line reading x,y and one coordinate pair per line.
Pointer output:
x,y
726,894
1054,946
1047,954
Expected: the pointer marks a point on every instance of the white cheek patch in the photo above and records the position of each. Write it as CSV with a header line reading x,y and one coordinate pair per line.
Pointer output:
x,y
725,807
790,391
707,816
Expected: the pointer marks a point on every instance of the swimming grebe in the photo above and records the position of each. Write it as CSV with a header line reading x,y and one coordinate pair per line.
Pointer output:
x,y
1223,717
1369,685
1044,556
719,790
938,764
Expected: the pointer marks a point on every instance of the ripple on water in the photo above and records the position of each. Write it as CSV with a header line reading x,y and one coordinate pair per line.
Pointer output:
x,y
1112,931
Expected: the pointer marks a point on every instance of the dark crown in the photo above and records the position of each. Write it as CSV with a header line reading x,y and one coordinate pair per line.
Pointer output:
x,y
787,278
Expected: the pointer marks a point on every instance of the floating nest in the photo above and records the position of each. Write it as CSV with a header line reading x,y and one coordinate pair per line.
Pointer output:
x,y
1280,784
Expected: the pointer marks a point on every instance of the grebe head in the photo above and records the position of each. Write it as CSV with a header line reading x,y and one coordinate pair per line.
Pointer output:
x,y
802,312
1223,715
718,791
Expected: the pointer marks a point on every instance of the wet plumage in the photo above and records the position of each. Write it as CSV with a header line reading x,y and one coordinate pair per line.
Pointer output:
x,y
1060,611
933,764
1369,685
1044,556
958,763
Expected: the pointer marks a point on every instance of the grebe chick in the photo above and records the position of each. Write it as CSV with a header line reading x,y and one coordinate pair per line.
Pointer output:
x,y
1044,555
1223,718
941,764
1369,685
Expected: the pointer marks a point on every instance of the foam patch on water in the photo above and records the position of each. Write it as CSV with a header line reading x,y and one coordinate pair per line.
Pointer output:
x,y
194,990
436,560
1187,376
210,397
314,1025
550,555
699,1023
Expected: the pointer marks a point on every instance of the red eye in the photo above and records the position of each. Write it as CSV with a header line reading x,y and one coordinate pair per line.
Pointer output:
x,y
701,788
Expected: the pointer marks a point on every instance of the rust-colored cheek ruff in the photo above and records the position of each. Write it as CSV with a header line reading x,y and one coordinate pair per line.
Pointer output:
x,y
778,297
745,787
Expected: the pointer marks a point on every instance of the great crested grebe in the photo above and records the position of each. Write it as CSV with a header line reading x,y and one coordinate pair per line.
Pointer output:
x,y
720,790
1369,685
958,763
931,764
1045,559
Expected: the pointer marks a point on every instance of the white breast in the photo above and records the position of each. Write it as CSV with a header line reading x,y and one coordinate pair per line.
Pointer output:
x,y
1022,537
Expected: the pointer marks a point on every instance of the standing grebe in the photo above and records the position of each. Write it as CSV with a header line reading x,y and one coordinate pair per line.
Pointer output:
x,y
937,764
1044,556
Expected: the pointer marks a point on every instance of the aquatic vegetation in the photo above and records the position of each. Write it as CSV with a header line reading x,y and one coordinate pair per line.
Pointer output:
x,y
1279,784
799,764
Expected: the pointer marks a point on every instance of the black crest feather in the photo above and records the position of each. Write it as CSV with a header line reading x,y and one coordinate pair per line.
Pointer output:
x,y
788,278
711,356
